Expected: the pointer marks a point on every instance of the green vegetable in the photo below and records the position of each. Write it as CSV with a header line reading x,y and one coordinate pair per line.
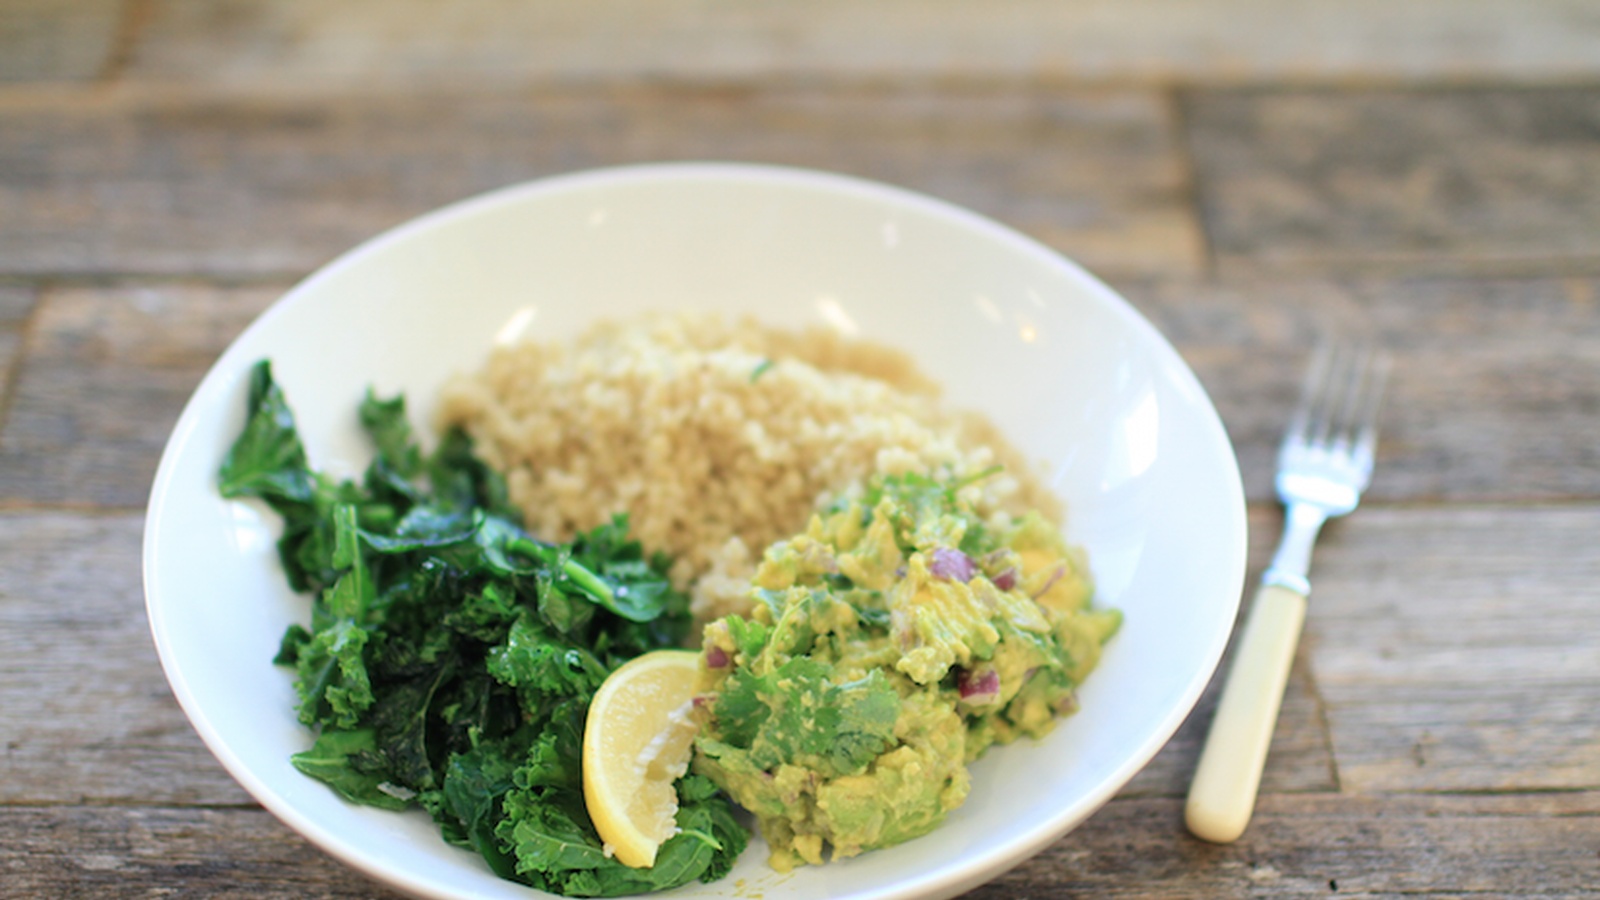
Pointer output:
x,y
450,656
794,715
921,498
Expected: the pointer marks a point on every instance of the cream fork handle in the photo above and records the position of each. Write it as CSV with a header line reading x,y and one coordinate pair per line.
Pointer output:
x,y
1223,793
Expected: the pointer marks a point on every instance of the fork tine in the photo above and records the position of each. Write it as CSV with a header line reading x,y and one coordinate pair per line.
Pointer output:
x,y
1365,425
1343,362
1339,400
1307,411
1347,398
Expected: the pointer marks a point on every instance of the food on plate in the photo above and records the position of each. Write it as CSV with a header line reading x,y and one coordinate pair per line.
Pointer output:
x,y
450,656
637,740
892,642
717,437
879,589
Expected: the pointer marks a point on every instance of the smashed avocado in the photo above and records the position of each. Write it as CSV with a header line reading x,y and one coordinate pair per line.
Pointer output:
x,y
890,644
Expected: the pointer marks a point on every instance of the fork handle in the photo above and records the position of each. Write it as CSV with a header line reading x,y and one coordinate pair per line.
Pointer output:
x,y
1223,793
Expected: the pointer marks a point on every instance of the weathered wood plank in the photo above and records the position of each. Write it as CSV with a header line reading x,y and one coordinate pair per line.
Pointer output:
x,y
106,375
57,40
10,342
1327,845
481,41
1303,845
1495,392
1491,180
88,714
1469,661
1459,649
170,182
143,852
16,304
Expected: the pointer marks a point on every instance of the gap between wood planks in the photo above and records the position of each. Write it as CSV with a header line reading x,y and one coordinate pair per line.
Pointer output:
x,y
135,17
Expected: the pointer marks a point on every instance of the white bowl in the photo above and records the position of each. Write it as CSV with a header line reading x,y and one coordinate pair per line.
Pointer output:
x,y
1069,371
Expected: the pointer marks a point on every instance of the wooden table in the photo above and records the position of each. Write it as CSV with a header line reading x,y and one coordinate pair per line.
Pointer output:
x,y
1250,174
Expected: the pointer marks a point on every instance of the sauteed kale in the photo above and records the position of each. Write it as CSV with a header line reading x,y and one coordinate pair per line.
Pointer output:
x,y
449,656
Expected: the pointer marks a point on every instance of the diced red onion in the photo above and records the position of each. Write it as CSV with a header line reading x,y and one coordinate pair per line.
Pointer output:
x,y
978,686
953,565
716,657
1006,580
1054,577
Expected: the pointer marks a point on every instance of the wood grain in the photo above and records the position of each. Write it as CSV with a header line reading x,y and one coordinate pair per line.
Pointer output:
x,y
1482,180
88,714
1469,661
1538,845
57,40
1329,845
256,42
1495,392
142,852
108,370
174,182
16,304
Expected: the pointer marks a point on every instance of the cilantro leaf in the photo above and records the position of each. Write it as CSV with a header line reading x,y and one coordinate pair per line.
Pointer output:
x,y
796,715
749,634
920,498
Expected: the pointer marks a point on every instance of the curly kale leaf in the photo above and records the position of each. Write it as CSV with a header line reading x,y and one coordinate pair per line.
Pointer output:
x,y
534,660
557,849
267,460
386,422
475,786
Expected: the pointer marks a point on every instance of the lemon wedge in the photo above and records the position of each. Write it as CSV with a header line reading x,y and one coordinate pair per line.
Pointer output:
x,y
636,742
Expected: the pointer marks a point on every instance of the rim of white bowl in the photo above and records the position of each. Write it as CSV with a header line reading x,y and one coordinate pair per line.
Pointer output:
x,y
942,881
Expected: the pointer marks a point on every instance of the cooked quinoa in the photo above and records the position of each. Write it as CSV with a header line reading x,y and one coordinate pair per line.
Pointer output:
x,y
717,438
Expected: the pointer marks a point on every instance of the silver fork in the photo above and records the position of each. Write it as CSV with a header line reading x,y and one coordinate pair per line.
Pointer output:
x,y
1324,464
